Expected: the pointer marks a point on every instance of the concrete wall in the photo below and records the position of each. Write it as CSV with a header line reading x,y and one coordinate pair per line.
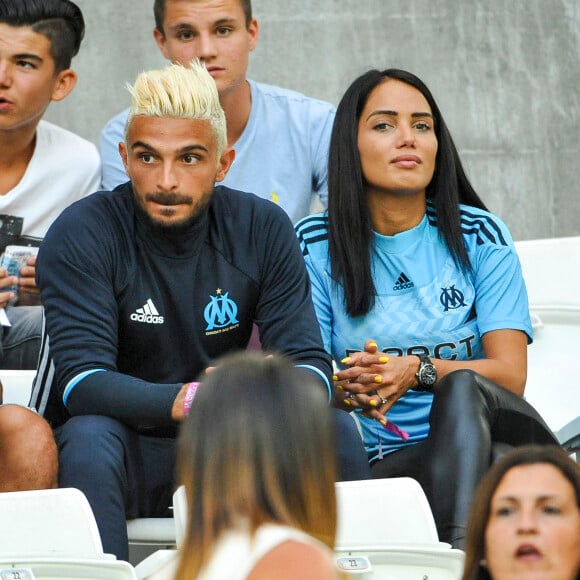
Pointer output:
x,y
506,74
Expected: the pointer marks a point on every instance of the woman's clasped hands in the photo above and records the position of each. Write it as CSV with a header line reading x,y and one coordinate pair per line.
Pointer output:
x,y
374,381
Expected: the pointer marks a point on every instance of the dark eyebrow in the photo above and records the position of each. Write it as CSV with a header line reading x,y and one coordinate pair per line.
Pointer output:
x,y
223,21
540,498
181,27
143,145
185,26
190,148
182,151
395,114
28,56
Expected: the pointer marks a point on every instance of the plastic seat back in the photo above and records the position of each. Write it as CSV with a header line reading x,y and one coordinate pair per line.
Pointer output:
x,y
51,522
17,386
65,569
383,512
552,276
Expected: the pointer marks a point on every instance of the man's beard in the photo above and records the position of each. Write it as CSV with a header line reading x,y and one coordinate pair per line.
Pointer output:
x,y
170,199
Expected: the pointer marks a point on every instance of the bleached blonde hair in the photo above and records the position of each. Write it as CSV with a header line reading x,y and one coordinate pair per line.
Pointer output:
x,y
179,92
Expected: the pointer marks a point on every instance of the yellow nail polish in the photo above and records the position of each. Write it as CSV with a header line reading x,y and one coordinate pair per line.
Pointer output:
x,y
372,403
373,345
384,360
378,379
334,378
347,402
345,360
340,387
383,421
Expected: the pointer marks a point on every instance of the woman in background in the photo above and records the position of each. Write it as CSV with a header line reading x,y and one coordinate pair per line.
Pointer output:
x,y
256,457
525,519
420,298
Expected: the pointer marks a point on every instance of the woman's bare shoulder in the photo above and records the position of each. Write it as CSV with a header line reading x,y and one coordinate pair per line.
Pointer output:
x,y
295,560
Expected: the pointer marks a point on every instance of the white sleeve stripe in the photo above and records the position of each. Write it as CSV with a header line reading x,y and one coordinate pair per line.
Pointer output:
x,y
75,381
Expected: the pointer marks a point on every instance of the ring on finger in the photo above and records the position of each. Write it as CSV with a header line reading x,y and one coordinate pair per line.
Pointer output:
x,y
351,395
384,401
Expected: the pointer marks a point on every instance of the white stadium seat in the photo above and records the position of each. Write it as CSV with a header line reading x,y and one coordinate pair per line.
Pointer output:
x,y
53,534
386,530
551,269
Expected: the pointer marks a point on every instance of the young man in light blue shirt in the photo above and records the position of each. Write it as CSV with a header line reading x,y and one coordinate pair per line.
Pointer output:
x,y
280,137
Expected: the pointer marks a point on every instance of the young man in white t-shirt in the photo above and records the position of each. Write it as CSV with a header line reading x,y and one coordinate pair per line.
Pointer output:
x,y
43,169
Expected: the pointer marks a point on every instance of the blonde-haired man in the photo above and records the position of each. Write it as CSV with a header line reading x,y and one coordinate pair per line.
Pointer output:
x,y
145,286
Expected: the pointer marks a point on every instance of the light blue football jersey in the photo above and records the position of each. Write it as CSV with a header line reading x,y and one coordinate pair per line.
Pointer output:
x,y
425,303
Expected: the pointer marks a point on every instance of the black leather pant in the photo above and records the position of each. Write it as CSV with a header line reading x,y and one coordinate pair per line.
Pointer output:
x,y
472,419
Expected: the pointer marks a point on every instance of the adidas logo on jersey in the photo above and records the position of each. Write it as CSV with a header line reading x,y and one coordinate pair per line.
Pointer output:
x,y
148,314
403,282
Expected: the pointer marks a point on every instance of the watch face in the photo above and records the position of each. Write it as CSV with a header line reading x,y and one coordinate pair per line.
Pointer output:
x,y
427,375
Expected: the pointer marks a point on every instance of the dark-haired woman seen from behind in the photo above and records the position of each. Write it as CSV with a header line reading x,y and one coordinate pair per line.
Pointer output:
x,y
525,519
256,457
420,298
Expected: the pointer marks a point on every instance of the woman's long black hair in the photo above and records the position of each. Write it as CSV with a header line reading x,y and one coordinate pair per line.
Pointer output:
x,y
350,228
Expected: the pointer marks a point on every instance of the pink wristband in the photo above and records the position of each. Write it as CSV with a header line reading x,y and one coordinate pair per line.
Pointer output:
x,y
189,396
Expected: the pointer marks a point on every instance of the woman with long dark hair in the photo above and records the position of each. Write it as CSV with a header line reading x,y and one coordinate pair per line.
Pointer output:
x,y
420,298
